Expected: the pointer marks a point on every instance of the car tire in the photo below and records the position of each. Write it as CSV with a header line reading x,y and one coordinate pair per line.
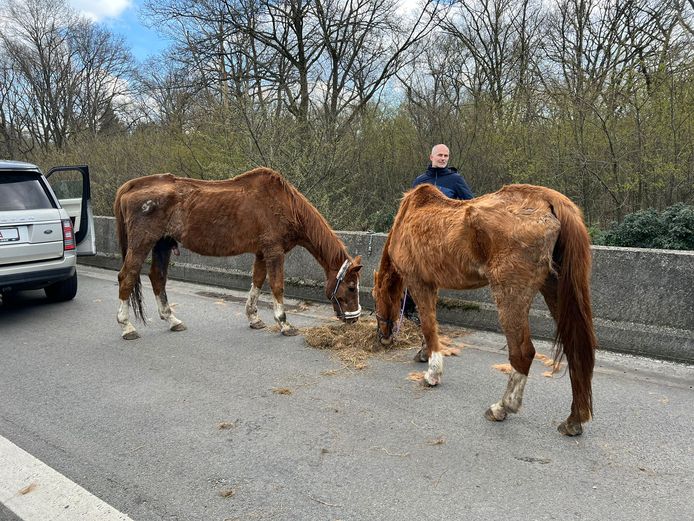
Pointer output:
x,y
10,298
63,290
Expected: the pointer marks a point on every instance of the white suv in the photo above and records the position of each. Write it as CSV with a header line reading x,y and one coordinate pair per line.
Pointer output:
x,y
40,234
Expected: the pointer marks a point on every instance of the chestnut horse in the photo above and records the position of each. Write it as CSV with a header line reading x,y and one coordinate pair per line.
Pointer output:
x,y
256,212
519,240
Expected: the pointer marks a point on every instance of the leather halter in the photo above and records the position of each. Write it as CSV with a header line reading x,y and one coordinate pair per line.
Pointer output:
x,y
344,315
389,324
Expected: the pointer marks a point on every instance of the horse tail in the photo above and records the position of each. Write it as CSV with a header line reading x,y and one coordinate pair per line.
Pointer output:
x,y
135,297
575,335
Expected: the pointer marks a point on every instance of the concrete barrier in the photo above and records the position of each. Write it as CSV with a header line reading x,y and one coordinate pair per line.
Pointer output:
x,y
643,300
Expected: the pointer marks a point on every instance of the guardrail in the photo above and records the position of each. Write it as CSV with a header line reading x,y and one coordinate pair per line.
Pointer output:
x,y
643,300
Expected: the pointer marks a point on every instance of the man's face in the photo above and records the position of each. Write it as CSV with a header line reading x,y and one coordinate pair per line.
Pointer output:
x,y
439,157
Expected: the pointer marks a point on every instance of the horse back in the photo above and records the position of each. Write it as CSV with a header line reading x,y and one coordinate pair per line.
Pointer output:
x,y
224,217
458,244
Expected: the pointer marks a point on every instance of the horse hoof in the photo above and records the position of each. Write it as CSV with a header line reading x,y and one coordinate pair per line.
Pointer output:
x,y
257,324
131,335
492,416
432,380
178,327
290,331
421,357
570,428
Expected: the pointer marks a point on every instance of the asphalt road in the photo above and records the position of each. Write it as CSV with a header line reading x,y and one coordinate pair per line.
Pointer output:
x,y
191,426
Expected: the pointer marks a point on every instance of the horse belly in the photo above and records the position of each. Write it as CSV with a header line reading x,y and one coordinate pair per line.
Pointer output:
x,y
218,237
439,267
218,246
463,275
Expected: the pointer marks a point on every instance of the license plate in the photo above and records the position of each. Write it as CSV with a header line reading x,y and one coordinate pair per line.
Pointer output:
x,y
9,234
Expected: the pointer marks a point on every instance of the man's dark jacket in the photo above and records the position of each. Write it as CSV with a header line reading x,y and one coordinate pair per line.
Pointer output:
x,y
448,180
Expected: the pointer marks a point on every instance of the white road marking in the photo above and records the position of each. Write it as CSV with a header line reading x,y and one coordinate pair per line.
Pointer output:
x,y
35,492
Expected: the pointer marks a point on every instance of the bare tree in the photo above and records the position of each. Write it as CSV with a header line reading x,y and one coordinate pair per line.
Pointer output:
x,y
70,75
366,43
102,69
306,56
500,37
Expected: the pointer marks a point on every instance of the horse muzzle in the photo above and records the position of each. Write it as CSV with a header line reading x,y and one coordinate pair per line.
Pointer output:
x,y
385,341
351,316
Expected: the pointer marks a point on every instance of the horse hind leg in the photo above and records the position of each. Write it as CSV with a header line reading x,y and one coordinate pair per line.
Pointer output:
x,y
259,274
513,304
275,267
123,317
572,425
130,292
161,254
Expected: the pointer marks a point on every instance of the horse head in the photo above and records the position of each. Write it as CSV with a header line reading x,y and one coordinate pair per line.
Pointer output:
x,y
342,288
387,292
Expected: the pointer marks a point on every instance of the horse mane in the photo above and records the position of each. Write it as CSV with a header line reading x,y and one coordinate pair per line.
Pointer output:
x,y
303,215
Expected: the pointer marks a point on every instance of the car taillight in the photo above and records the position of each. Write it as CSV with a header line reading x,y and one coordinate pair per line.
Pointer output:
x,y
68,236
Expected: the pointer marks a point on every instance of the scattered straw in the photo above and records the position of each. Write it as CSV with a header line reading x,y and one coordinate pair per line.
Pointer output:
x,y
549,362
504,368
437,441
29,488
227,492
282,390
416,376
322,502
398,454
354,343
225,425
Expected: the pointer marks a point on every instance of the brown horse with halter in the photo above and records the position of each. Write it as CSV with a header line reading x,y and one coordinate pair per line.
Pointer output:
x,y
519,240
257,212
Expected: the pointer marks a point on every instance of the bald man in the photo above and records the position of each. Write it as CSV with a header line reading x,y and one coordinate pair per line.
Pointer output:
x,y
445,178
451,183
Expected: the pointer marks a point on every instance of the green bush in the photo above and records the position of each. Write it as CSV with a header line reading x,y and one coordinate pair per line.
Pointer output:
x,y
671,229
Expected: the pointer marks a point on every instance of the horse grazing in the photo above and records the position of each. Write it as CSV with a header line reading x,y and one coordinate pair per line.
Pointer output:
x,y
256,212
519,240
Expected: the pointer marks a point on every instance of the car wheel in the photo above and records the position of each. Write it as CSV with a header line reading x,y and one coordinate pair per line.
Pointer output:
x,y
9,298
63,290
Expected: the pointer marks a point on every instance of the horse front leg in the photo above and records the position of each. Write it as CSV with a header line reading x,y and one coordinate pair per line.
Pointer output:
x,y
426,297
259,274
513,304
275,267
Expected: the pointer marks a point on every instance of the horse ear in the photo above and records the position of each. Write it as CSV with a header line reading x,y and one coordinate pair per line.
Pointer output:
x,y
375,278
356,264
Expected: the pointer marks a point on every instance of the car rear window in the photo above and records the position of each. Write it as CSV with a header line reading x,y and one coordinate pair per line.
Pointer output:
x,y
22,192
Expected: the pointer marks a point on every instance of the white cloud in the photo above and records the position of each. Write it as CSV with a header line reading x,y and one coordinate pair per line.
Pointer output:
x,y
407,6
97,10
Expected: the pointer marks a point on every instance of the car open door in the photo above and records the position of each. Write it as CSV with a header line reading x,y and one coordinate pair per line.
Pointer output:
x,y
72,187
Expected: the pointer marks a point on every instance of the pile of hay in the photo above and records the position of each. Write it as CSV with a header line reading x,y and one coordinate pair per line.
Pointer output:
x,y
354,343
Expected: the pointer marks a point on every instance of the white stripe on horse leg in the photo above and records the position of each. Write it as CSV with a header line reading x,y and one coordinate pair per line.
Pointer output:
x,y
433,374
166,314
281,318
123,317
513,397
497,412
252,308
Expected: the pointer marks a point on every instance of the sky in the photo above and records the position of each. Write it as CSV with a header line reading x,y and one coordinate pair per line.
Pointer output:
x,y
122,17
